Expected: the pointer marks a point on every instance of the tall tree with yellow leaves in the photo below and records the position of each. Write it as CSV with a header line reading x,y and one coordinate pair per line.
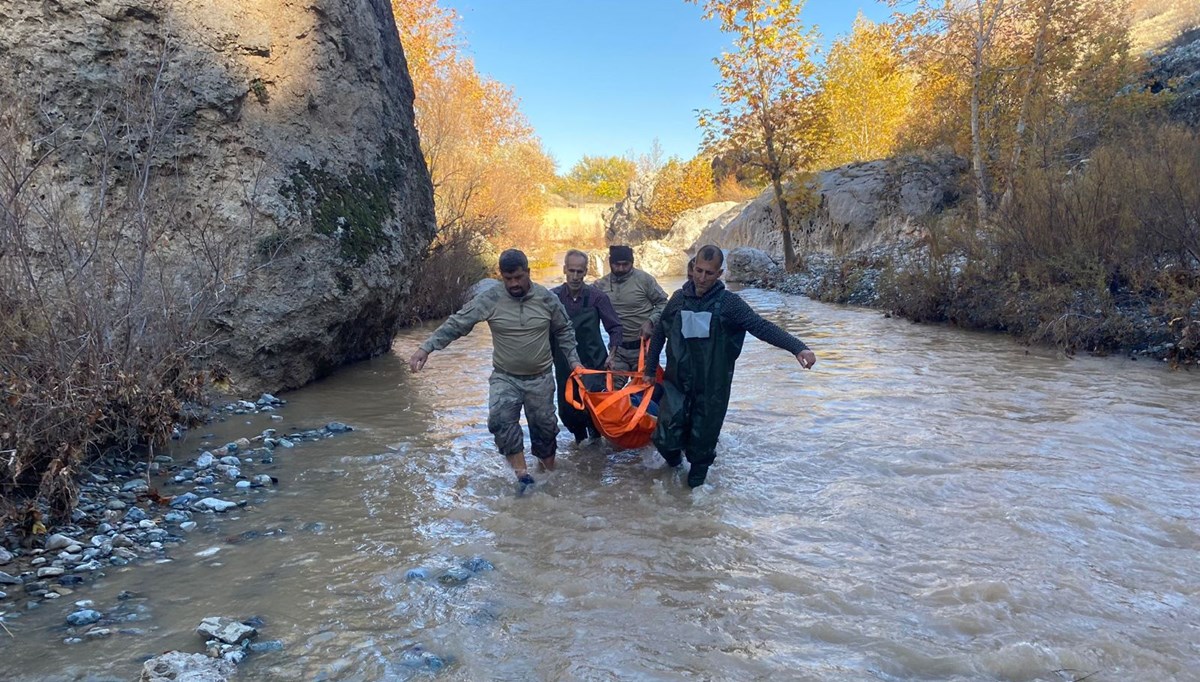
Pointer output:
x,y
866,91
1010,70
769,108
487,165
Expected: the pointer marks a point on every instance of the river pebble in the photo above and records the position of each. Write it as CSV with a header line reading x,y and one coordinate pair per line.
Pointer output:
x,y
118,507
84,617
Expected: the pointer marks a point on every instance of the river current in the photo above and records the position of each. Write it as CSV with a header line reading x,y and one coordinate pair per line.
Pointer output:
x,y
925,504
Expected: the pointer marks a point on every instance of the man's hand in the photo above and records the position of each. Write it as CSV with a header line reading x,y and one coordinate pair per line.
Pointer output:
x,y
806,358
647,329
608,363
417,361
576,365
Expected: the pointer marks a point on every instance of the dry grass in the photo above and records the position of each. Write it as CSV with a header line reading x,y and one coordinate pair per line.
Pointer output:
x,y
1158,22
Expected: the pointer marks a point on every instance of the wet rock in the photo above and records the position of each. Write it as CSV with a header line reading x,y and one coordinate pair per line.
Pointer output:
x,y
84,617
205,460
226,630
176,666
3,596
5,556
337,427
413,574
50,572
187,526
417,657
216,504
454,577
478,564
6,579
137,485
266,647
70,580
116,505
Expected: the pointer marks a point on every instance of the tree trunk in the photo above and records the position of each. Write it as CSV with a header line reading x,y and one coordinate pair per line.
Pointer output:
x,y
775,170
1031,85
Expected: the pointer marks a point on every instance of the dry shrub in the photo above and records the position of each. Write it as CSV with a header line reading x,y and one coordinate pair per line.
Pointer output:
x,y
105,288
729,188
445,277
1082,258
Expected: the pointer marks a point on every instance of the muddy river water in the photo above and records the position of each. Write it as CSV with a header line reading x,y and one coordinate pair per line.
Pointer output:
x,y
926,504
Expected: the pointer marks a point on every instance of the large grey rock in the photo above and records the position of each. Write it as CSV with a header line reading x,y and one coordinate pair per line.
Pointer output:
x,y
287,165
1177,69
622,222
176,666
226,630
855,207
747,266
659,259
693,222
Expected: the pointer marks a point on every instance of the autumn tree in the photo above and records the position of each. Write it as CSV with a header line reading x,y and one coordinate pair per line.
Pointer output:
x,y
487,166
866,92
769,108
1013,70
603,178
679,186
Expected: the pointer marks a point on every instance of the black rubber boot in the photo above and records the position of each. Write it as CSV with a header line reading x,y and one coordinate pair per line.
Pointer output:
x,y
697,474
524,483
674,458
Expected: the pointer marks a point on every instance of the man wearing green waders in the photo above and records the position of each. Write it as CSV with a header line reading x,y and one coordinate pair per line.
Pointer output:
x,y
703,327
587,307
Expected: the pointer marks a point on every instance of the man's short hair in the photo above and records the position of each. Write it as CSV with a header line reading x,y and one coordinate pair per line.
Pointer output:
x,y
710,253
512,260
575,253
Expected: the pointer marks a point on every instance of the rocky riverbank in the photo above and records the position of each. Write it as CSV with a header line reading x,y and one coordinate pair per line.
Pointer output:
x,y
134,510
896,278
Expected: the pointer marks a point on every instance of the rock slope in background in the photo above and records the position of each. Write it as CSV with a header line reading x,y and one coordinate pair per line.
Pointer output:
x,y
286,130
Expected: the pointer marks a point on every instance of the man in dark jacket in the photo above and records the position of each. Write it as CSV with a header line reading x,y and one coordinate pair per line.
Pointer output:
x,y
587,307
703,327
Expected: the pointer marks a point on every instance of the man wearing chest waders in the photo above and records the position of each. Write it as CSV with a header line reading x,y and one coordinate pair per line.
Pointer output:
x,y
522,316
703,327
638,300
587,307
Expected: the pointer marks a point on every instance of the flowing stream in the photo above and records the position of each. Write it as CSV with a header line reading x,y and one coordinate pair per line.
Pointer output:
x,y
926,504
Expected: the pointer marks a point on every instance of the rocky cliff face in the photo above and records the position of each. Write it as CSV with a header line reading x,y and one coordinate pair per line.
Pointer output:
x,y
854,207
1177,69
277,147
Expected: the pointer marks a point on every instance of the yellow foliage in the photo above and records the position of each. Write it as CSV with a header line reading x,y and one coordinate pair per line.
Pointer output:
x,y
487,166
598,178
677,188
867,93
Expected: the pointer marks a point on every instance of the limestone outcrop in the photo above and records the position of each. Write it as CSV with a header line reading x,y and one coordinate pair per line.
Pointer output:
x,y
273,144
853,207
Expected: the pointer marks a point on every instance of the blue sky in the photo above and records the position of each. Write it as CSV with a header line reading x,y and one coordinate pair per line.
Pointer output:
x,y
607,77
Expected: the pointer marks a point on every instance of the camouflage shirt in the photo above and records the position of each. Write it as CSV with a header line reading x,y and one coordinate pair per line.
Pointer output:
x,y
521,329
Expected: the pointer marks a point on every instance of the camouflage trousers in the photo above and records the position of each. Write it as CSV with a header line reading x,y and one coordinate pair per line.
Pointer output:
x,y
624,360
507,395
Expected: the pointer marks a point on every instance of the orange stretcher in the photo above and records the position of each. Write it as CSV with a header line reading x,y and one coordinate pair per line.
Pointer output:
x,y
621,415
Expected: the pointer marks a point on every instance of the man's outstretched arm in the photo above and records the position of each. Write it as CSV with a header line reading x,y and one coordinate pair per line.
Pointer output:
x,y
739,314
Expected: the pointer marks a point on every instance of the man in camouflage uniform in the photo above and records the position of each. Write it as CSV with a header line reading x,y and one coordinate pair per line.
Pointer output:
x,y
522,317
638,300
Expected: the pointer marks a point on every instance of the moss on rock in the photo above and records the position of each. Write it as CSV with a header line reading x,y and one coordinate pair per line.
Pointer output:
x,y
353,207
